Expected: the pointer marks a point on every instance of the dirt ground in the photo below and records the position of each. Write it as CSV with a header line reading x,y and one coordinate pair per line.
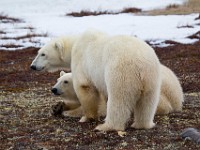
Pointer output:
x,y
25,108
26,121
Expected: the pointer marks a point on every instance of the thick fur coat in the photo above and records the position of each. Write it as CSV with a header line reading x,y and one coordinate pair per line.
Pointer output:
x,y
124,69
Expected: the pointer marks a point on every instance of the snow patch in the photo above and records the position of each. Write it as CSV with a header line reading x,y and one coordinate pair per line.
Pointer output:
x,y
48,16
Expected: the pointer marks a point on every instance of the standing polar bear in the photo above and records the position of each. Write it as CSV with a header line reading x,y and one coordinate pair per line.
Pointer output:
x,y
125,69
171,95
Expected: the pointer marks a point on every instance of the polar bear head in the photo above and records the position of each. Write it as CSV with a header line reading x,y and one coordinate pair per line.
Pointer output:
x,y
64,86
54,56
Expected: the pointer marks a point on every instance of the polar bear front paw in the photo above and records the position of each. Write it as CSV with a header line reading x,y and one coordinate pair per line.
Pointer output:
x,y
72,113
84,119
146,126
103,127
58,109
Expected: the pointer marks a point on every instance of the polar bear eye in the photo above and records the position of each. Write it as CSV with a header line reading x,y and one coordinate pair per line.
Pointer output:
x,y
65,81
42,54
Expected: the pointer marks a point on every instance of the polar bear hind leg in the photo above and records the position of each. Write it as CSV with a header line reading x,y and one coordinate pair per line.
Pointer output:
x,y
120,102
128,94
145,108
164,106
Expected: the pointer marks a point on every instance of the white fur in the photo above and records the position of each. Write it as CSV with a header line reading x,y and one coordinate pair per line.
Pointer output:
x,y
65,87
171,95
66,90
125,69
55,55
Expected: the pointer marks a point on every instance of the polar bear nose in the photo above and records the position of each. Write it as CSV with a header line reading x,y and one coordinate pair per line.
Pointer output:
x,y
33,67
54,90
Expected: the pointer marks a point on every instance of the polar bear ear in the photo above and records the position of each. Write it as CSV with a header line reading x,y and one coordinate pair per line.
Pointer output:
x,y
62,73
59,47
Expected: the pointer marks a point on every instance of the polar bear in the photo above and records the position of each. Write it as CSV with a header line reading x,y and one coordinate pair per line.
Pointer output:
x,y
71,105
124,68
171,95
64,88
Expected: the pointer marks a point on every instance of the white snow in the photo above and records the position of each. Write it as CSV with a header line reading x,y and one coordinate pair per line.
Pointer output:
x,y
48,16
27,7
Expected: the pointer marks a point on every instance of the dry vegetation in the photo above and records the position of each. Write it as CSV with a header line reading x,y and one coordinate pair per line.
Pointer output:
x,y
95,13
26,100
6,19
29,35
195,36
2,32
191,6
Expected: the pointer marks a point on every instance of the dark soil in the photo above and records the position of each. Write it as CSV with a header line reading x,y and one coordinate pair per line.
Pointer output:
x,y
26,100
184,60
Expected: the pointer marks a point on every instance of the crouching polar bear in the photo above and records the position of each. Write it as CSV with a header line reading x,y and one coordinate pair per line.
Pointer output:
x,y
124,69
171,95
71,105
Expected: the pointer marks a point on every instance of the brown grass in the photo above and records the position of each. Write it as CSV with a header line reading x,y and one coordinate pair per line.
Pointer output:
x,y
172,6
95,13
6,19
28,27
11,46
25,36
185,26
131,10
195,36
192,6
2,32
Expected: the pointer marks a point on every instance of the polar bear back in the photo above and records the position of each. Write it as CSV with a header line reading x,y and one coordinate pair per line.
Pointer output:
x,y
101,54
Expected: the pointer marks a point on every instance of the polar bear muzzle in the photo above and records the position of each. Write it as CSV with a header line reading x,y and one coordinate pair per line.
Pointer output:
x,y
36,68
33,67
55,91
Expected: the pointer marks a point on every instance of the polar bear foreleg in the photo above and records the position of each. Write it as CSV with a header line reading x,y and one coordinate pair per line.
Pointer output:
x,y
88,97
62,106
77,112
69,105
